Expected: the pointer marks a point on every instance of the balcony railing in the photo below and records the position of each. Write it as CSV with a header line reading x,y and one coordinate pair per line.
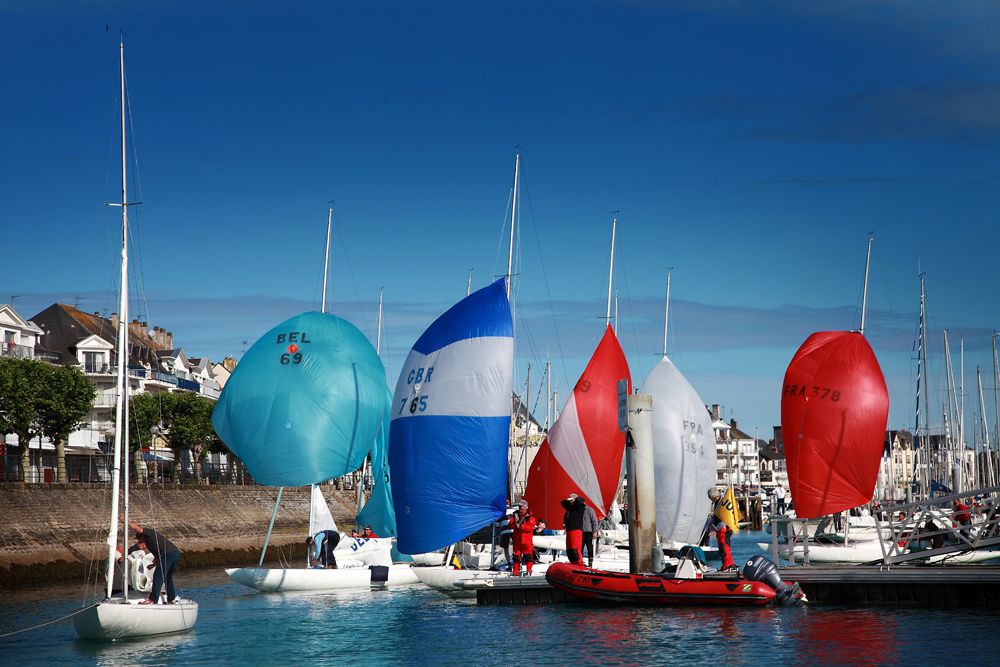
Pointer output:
x,y
19,351
99,369
189,385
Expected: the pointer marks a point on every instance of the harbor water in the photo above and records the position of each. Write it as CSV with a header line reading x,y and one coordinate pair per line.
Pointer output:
x,y
414,625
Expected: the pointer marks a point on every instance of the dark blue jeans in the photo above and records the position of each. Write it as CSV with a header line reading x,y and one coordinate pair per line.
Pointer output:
x,y
164,569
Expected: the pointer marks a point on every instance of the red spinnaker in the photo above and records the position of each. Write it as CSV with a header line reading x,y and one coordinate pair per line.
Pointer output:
x,y
584,449
834,409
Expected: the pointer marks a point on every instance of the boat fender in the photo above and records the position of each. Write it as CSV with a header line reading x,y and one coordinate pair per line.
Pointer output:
x,y
765,571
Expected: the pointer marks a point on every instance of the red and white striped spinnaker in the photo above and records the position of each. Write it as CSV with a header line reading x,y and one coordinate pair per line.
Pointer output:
x,y
583,451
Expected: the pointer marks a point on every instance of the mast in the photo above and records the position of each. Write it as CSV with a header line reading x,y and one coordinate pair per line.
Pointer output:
x,y
864,292
961,408
611,269
121,370
666,315
378,331
322,309
326,256
616,312
527,425
996,390
513,219
985,430
951,412
468,288
548,396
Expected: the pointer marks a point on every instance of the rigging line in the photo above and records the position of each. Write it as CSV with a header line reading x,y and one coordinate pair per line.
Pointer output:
x,y
354,282
545,281
503,231
142,303
42,625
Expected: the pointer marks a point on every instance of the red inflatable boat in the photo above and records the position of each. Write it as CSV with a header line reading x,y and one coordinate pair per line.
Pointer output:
x,y
722,589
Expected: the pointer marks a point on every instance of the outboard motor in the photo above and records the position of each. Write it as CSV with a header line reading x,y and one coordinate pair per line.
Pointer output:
x,y
765,571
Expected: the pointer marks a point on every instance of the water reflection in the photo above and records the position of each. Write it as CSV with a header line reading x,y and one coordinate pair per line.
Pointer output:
x,y
145,650
847,636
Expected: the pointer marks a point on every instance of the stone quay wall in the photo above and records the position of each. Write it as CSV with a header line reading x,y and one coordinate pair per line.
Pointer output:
x,y
58,532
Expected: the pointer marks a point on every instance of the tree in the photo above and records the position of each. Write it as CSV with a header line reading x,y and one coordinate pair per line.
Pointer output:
x,y
67,397
191,427
22,382
184,420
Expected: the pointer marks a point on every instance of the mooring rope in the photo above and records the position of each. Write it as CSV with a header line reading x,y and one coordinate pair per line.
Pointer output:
x,y
42,625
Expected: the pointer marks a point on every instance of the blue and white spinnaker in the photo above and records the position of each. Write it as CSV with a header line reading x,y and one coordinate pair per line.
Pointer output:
x,y
451,424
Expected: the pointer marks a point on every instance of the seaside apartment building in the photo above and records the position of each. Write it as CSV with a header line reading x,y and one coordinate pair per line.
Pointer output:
x,y
64,334
737,454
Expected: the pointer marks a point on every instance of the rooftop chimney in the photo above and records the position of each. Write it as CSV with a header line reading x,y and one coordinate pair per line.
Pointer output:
x,y
716,412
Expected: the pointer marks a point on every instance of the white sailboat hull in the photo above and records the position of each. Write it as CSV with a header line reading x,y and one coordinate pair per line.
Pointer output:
x,y
866,552
445,578
117,619
278,580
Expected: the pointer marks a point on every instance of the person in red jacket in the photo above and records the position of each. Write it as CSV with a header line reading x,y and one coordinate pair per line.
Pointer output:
x,y
523,522
962,517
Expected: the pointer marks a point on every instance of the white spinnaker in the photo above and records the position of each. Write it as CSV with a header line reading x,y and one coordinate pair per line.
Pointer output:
x,y
321,517
683,454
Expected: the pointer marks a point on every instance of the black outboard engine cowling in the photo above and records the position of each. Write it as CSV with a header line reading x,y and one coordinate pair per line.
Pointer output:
x,y
765,571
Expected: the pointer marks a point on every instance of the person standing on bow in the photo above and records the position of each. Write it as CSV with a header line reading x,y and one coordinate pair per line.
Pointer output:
x,y
523,523
321,547
590,526
575,507
166,555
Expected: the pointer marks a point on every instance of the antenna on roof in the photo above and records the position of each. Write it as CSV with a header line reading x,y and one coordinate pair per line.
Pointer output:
x,y
12,299
77,299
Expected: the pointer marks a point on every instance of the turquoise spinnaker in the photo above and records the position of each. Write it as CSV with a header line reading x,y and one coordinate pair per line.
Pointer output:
x,y
378,512
305,402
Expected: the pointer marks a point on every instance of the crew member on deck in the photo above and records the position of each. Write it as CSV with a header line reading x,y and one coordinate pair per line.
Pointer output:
x,y
166,555
523,522
321,548
573,523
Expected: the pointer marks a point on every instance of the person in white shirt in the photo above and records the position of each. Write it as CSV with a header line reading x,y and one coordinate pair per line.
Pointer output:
x,y
779,496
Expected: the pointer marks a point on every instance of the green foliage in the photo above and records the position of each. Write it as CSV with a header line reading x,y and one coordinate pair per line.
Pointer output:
x,y
184,420
23,384
67,398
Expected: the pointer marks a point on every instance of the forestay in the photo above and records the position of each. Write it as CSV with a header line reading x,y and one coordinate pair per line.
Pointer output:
x,y
305,402
684,457
451,422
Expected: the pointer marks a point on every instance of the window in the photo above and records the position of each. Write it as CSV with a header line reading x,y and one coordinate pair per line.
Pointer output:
x,y
92,362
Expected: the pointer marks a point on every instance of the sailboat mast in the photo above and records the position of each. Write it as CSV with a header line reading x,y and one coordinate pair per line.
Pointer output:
x,y
378,330
985,430
996,390
322,309
513,219
121,370
864,291
616,312
951,412
326,257
611,269
666,315
548,395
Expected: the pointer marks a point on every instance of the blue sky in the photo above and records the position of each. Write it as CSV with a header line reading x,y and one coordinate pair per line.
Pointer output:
x,y
749,146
